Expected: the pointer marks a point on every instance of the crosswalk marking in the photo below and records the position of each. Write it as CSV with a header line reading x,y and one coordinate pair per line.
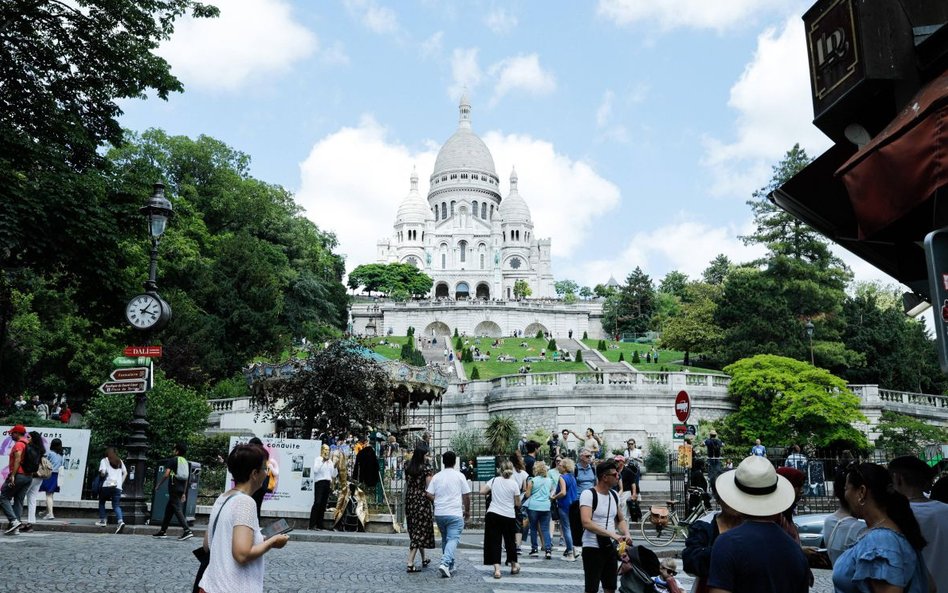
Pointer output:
x,y
538,570
522,580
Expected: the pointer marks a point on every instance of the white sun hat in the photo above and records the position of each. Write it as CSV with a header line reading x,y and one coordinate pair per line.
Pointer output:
x,y
755,488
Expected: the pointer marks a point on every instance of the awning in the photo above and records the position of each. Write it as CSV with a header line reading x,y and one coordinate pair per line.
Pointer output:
x,y
904,166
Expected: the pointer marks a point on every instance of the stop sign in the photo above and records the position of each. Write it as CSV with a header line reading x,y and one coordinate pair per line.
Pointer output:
x,y
682,406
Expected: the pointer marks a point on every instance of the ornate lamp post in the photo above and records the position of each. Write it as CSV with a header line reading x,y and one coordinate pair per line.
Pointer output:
x,y
809,333
146,312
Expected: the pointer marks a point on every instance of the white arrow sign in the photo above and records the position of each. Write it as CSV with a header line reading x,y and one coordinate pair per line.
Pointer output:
x,y
124,387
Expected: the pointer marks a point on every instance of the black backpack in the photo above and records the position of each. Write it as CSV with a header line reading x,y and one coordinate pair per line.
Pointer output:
x,y
31,459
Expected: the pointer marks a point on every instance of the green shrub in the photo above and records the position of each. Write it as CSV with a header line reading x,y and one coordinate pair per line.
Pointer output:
x,y
458,345
601,346
455,332
540,335
475,374
551,345
621,357
579,356
635,357
501,434
656,456
468,443
585,335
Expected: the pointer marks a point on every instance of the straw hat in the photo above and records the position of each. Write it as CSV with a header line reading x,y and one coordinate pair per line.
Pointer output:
x,y
755,489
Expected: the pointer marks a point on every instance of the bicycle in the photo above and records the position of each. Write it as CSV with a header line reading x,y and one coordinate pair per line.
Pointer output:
x,y
661,533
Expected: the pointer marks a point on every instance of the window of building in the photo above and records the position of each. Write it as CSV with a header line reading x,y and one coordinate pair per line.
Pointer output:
x,y
462,247
443,261
492,212
452,207
482,261
444,178
454,175
413,261
463,175
435,213
515,263
484,210
474,209
444,210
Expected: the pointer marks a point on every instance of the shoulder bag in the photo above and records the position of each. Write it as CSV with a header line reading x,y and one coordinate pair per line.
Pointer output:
x,y
203,555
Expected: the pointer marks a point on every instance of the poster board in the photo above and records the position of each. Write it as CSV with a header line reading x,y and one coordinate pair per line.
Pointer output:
x,y
75,454
292,462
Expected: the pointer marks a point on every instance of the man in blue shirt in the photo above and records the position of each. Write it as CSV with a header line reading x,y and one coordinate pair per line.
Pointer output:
x,y
758,449
758,556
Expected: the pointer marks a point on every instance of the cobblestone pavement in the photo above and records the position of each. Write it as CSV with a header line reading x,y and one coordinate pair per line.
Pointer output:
x,y
94,563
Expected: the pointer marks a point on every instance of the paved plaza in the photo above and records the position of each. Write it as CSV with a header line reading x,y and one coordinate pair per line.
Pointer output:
x,y
95,563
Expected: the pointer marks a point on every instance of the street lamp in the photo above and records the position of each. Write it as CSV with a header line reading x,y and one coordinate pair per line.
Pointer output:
x,y
146,312
809,333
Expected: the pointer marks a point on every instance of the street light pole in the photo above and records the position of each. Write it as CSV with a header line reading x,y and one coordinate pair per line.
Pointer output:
x,y
809,333
157,212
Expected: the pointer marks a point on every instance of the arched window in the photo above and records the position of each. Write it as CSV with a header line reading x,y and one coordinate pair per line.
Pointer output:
x,y
436,213
444,211
482,261
452,207
443,261
462,246
492,212
474,209
484,210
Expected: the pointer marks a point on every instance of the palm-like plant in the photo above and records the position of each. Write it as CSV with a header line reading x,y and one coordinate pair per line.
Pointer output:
x,y
501,434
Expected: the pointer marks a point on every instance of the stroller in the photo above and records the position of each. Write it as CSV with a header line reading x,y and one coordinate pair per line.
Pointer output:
x,y
639,565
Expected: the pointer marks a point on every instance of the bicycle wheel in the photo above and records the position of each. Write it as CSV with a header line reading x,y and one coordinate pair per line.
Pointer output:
x,y
655,535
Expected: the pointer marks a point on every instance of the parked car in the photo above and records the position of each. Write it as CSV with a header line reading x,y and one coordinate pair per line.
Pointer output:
x,y
810,527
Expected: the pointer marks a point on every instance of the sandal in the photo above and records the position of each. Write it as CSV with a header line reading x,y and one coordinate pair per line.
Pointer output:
x,y
426,561
413,568
497,574
515,570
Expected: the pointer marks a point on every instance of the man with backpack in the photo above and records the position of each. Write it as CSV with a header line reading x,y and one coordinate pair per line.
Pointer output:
x,y
604,527
177,472
18,480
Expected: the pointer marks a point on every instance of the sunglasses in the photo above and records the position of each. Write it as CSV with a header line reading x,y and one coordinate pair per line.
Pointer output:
x,y
669,571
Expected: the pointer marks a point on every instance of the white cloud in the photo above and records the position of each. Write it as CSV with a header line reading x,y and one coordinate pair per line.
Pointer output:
x,y
604,112
465,71
689,14
685,245
354,179
500,21
431,47
335,54
250,39
376,18
608,129
521,73
774,112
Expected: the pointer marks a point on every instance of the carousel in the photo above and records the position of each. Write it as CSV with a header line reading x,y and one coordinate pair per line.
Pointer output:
x,y
415,394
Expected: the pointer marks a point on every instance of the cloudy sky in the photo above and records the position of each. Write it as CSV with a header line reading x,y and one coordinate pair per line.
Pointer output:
x,y
638,128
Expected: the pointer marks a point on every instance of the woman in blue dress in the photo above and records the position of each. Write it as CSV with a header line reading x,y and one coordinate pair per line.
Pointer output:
x,y
51,484
887,558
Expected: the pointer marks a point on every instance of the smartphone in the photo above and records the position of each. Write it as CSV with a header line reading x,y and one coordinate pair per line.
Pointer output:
x,y
276,528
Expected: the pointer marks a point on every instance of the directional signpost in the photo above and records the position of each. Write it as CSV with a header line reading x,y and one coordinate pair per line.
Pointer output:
x,y
129,374
138,386
147,351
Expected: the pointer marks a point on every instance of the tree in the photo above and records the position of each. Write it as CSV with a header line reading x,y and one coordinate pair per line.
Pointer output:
x,y
717,270
174,413
501,434
565,287
579,356
586,293
782,400
521,289
904,435
694,329
674,283
334,388
630,309
604,291
475,374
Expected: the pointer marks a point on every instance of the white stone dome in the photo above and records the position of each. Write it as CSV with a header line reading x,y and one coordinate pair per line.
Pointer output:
x,y
464,149
513,208
413,208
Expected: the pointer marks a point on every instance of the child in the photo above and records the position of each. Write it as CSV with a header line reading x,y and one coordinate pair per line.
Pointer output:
x,y
665,581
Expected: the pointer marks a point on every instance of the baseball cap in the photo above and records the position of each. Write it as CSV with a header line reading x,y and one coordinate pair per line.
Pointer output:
x,y
19,428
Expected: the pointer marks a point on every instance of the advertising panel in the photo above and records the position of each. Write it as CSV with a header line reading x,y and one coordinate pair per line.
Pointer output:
x,y
75,453
291,463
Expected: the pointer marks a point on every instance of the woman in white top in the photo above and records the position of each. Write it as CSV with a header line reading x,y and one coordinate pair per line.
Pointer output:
x,y
501,519
520,475
112,473
234,540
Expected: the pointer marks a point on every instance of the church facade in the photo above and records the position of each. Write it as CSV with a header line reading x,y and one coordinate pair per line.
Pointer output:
x,y
473,242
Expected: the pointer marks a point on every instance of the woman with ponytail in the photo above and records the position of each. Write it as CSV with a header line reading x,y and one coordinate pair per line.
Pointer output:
x,y
887,558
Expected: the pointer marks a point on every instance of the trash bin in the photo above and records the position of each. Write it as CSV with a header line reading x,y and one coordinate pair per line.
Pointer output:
x,y
159,498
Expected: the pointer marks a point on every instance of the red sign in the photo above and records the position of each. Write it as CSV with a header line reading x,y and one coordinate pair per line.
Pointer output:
x,y
149,351
682,406
129,374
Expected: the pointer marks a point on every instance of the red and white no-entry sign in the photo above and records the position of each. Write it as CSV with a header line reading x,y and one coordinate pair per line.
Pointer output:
x,y
682,406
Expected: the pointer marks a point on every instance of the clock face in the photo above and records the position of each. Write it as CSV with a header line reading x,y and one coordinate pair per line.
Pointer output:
x,y
144,311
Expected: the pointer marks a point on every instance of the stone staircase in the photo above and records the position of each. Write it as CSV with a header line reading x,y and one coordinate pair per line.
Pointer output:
x,y
592,355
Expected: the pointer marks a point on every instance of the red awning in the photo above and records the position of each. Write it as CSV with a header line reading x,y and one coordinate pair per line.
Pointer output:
x,y
904,165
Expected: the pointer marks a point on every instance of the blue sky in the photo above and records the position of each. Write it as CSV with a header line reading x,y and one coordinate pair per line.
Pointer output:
x,y
638,128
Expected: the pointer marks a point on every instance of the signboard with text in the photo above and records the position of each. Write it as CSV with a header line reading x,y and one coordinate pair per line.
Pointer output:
x,y
147,351
75,455
291,461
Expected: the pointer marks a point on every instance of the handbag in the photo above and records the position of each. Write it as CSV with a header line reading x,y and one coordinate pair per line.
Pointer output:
x,y
204,555
45,469
96,485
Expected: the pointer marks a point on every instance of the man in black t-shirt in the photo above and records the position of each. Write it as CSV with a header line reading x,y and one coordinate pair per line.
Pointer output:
x,y
715,447
531,457
177,474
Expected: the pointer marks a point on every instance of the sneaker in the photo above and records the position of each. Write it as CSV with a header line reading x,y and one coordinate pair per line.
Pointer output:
x,y
548,556
14,528
445,571
120,527
26,528
100,523
49,518
570,557
534,553
186,535
160,535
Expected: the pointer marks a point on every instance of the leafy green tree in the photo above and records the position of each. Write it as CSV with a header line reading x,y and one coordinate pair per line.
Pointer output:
x,y
521,289
630,309
694,329
904,435
717,270
475,374
782,400
565,287
335,388
586,293
674,283
501,434
174,413
391,279
667,307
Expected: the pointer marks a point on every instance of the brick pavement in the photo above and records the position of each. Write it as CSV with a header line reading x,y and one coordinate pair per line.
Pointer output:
x,y
101,563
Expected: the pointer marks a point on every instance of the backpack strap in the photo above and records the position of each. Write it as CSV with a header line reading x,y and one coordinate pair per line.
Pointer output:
x,y
210,538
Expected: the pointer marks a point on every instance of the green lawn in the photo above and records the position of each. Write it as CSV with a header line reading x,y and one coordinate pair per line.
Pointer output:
x,y
392,349
492,369
669,359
